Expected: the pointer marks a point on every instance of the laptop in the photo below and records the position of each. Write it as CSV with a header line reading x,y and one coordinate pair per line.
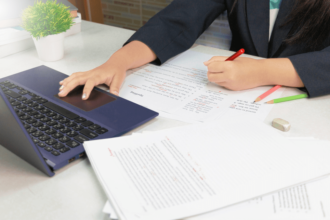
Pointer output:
x,y
48,131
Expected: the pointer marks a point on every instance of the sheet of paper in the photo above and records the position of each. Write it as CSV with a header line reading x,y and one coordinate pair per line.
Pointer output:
x,y
187,171
180,87
110,210
305,201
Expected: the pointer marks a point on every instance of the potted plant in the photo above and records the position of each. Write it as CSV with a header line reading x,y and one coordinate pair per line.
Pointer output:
x,y
47,22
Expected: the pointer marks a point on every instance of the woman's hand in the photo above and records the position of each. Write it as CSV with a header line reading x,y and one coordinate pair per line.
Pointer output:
x,y
111,75
246,73
239,74
112,72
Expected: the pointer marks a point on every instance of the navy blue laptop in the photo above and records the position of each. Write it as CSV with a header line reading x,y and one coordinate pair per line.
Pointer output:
x,y
48,131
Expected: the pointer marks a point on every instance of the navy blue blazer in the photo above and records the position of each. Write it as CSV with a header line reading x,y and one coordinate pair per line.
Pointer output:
x,y
175,29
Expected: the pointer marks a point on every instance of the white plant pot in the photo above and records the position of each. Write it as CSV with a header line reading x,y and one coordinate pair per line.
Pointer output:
x,y
51,47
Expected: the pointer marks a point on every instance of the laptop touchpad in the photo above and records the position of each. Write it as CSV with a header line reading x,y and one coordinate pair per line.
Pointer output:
x,y
95,100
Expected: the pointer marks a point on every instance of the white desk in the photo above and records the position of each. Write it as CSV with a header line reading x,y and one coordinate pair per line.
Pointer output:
x,y
74,193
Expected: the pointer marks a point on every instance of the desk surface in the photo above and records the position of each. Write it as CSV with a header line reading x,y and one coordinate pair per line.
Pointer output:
x,y
74,193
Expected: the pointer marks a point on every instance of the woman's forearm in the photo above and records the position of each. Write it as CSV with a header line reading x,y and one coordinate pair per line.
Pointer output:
x,y
132,55
279,71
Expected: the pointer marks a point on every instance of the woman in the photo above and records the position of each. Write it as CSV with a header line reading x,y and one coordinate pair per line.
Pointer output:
x,y
297,46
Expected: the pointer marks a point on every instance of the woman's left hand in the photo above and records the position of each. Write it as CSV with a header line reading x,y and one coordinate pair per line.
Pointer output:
x,y
239,74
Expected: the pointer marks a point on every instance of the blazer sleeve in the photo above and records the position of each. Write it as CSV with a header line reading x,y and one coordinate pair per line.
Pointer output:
x,y
175,28
314,71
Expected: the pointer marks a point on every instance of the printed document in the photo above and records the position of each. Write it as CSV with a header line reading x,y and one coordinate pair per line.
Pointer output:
x,y
180,88
181,172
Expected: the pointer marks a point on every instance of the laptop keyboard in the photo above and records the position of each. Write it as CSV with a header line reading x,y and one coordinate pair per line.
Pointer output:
x,y
53,128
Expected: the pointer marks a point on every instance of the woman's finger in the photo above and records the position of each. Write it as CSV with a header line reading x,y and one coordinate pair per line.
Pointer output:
x,y
116,83
216,77
214,59
89,85
216,67
68,87
71,77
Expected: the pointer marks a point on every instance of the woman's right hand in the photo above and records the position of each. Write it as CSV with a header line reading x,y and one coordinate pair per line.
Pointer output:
x,y
112,72
109,74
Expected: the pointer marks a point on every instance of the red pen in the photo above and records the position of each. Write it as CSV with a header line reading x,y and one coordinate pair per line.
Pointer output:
x,y
235,55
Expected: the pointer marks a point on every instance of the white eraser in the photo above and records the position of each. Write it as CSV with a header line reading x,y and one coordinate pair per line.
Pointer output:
x,y
281,124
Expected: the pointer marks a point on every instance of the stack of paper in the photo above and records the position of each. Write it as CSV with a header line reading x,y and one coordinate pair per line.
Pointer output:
x,y
187,171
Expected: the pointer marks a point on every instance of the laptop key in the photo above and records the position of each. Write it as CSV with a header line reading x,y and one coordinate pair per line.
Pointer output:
x,y
12,86
22,98
33,113
94,127
72,144
21,106
51,122
65,130
58,109
64,120
78,128
72,134
15,103
37,134
31,121
57,117
27,110
48,149
80,120
43,127
58,126
51,114
57,135
70,124
37,124
22,92
38,116
101,131
44,111
55,153
35,98
64,139
40,101
31,130
27,101
87,123
50,131
51,142
12,94
45,119
24,117
58,146
44,138
20,114
64,149
32,104
36,141
81,138
32,94
41,144
88,133
39,107
27,126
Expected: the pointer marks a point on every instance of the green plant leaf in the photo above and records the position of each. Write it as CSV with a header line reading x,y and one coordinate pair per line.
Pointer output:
x,y
46,18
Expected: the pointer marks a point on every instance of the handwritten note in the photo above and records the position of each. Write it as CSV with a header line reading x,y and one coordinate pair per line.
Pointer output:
x,y
181,87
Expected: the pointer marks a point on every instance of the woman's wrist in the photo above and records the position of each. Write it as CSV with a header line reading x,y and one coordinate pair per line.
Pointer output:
x,y
278,71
